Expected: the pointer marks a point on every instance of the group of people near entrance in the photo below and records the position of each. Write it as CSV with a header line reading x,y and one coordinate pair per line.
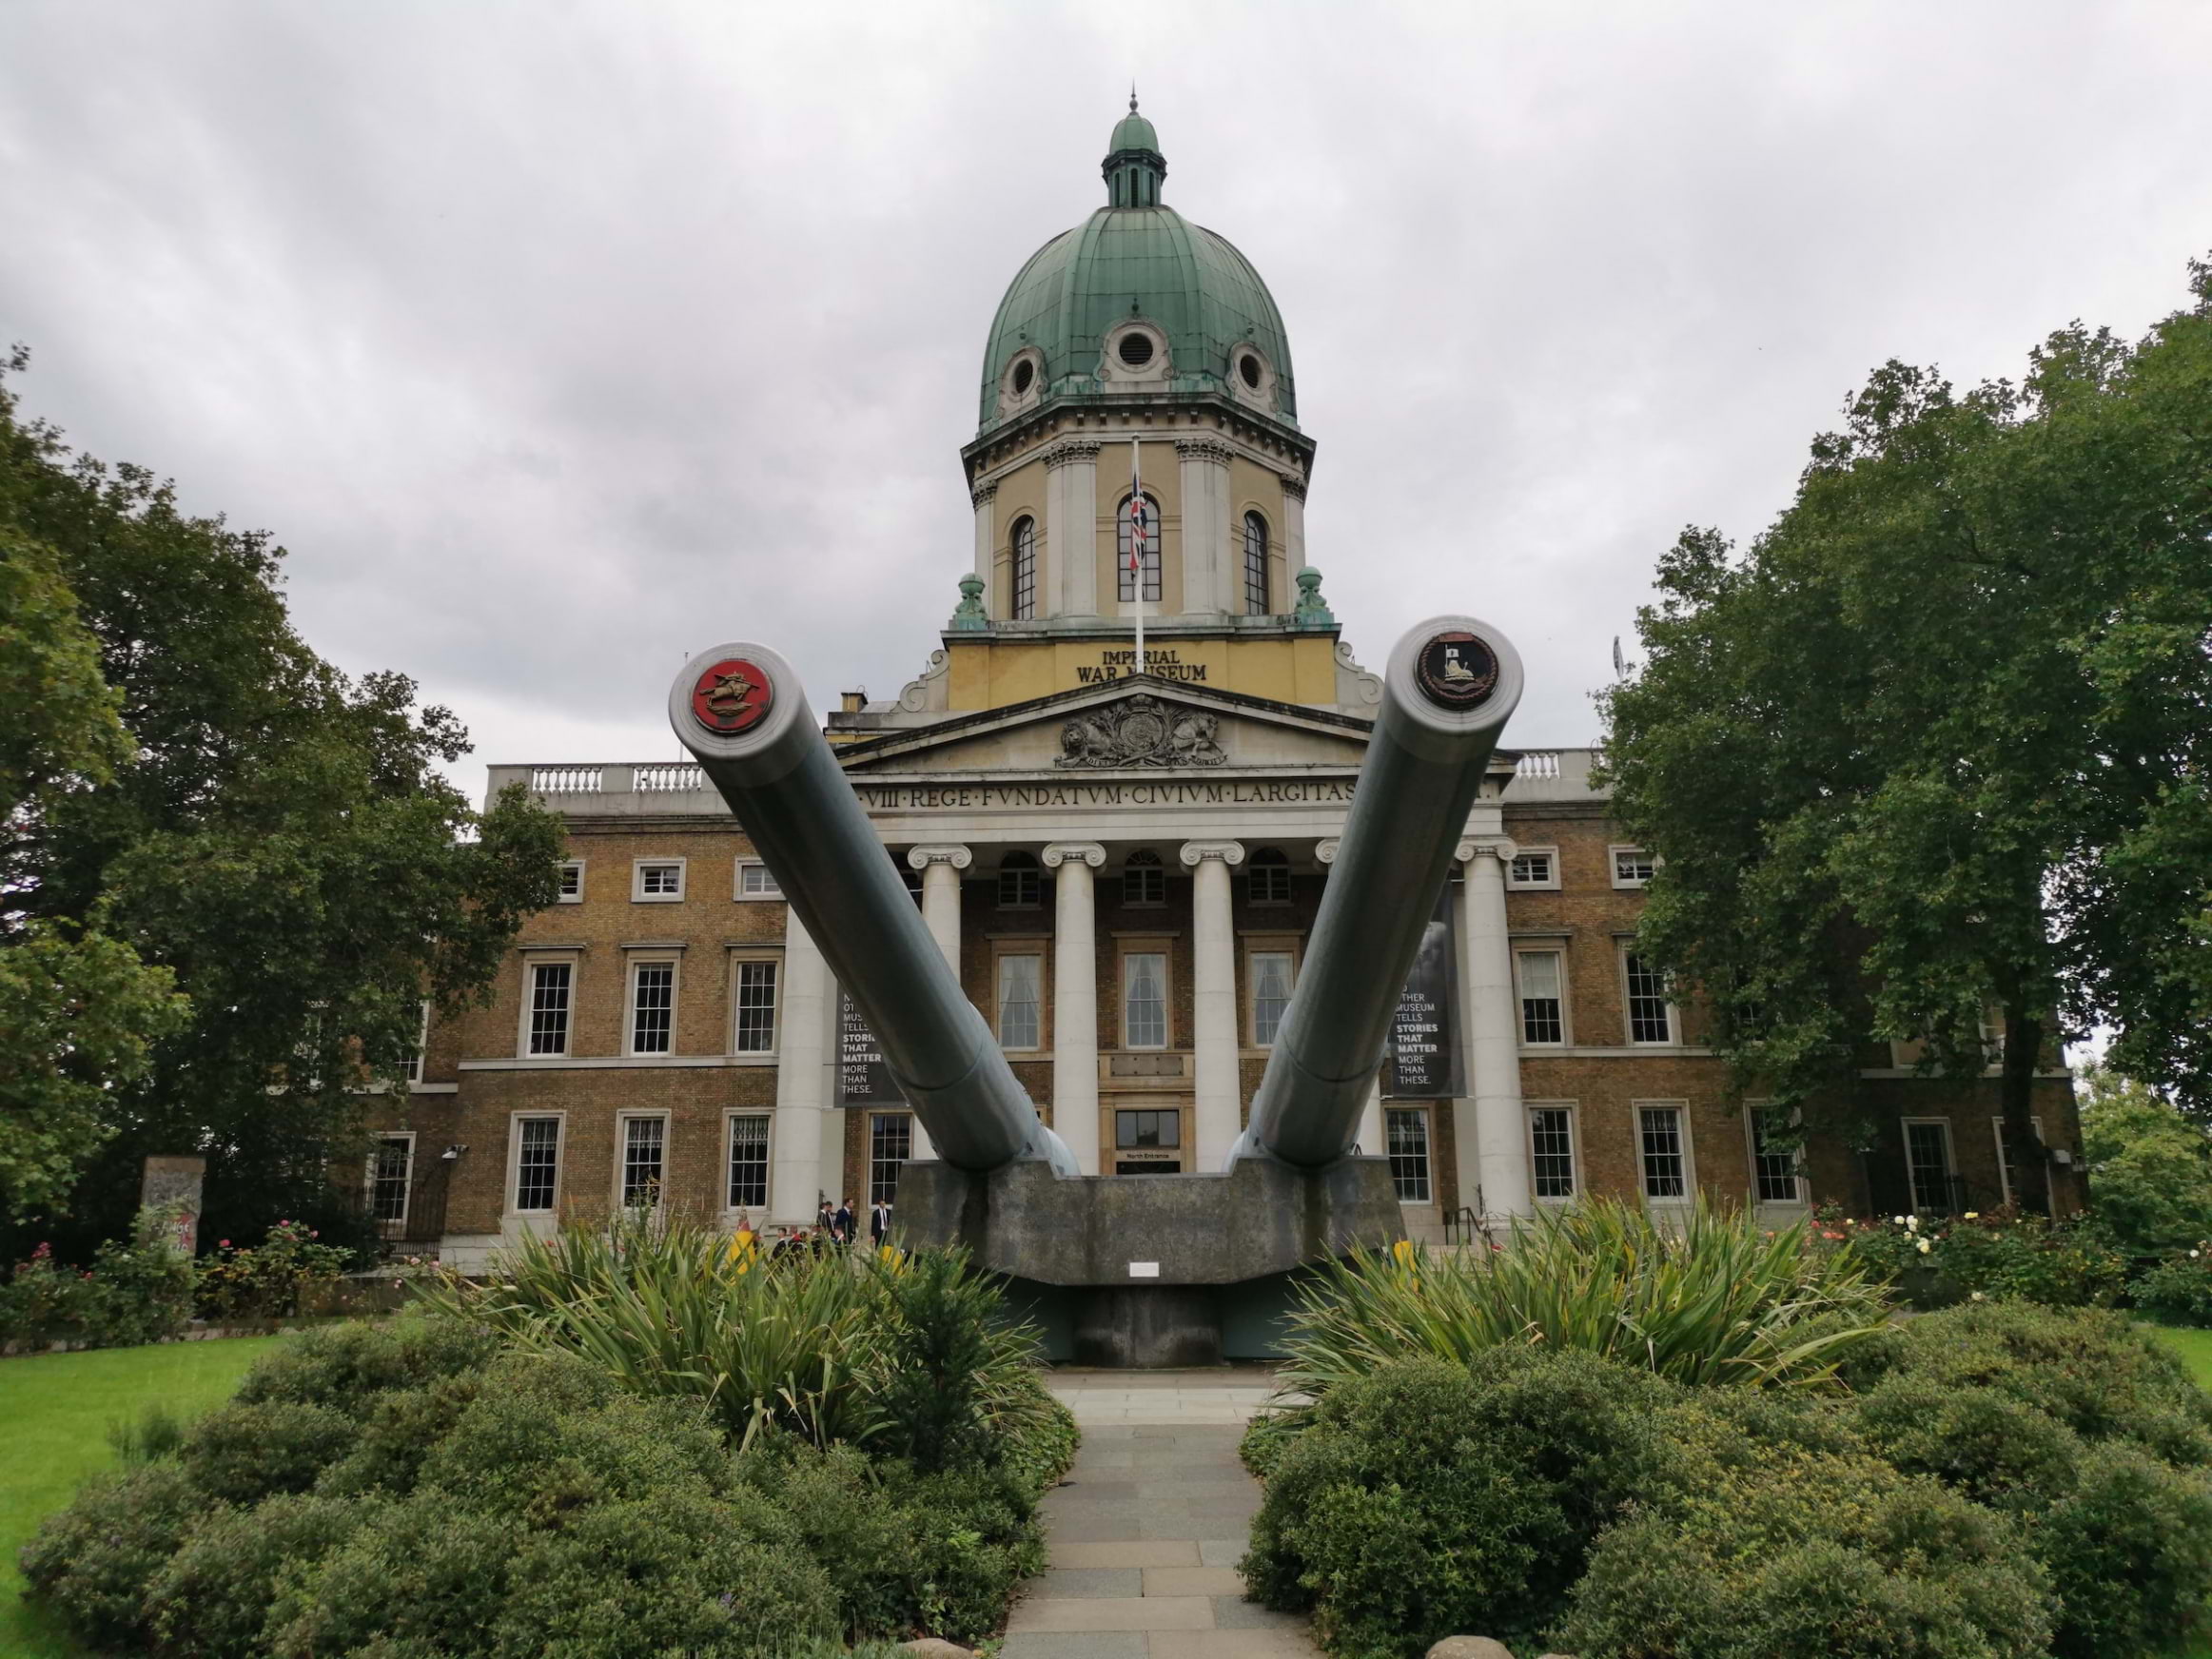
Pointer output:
x,y
835,1225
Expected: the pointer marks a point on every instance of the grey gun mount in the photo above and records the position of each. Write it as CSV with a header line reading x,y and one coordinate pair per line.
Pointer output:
x,y
1450,686
741,710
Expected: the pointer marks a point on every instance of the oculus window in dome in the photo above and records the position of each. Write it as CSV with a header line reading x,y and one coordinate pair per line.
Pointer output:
x,y
1210,322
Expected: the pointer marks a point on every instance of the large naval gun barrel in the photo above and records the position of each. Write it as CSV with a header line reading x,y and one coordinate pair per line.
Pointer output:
x,y
740,709
1449,687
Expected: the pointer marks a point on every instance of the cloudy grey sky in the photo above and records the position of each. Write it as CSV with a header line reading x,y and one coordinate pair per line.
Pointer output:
x,y
559,340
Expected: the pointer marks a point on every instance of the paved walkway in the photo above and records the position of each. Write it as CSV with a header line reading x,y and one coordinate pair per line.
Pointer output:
x,y
1146,1531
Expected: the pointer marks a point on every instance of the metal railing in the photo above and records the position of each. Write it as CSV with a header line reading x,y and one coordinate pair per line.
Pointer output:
x,y
1465,1225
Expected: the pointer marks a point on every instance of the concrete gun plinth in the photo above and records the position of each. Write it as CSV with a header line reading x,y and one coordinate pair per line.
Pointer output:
x,y
1154,1270
1134,1267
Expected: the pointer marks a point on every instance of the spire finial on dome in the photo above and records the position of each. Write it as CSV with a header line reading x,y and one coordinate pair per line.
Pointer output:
x,y
1134,166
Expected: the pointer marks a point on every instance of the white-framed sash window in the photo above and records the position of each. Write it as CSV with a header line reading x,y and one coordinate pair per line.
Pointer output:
x,y
391,1178
1663,1152
641,1176
1021,979
1144,999
1553,1168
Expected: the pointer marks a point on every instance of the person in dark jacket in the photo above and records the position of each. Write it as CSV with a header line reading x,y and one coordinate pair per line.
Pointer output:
x,y
841,1223
878,1223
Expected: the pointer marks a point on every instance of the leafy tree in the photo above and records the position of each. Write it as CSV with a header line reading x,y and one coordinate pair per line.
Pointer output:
x,y
1937,746
78,1010
274,833
2150,1168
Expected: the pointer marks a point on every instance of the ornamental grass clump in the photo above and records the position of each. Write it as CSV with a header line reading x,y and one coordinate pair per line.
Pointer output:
x,y
906,1355
1715,1299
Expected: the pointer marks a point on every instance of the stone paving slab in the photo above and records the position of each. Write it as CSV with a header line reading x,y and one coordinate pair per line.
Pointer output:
x,y
1179,1554
1144,1536
1140,1612
1191,1581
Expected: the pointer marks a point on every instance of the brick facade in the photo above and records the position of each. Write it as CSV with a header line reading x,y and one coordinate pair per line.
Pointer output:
x,y
478,1079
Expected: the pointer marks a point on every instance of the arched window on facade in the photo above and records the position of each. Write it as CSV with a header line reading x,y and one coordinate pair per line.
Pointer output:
x,y
1021,883
1127,578
1255,565
1267,877
1024,541
1144,879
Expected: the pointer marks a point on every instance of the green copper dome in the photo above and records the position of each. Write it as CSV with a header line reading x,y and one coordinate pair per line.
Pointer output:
x,y
1136,261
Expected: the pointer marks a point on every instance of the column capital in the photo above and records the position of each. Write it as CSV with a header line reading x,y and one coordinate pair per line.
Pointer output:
x,y
1060,852
949,853
1205,449
1073,449
979,493
1326,852
1498,847
1197,853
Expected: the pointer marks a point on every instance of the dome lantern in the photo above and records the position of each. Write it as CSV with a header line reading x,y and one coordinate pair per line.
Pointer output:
x,y
1134,167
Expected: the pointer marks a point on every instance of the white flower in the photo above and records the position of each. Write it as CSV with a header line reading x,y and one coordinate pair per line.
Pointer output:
x,y
1978,1297
1899,1220
2194,1254
1913,1223
1973,1215
1923,1247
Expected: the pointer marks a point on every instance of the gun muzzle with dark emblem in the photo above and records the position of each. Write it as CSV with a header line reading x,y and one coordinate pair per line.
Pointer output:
x,y
1450,685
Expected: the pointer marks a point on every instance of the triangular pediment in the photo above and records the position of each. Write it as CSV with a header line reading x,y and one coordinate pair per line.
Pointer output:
x,y
1135,726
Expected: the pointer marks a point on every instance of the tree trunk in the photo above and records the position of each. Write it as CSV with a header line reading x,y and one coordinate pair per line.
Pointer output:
x,y
2015,1099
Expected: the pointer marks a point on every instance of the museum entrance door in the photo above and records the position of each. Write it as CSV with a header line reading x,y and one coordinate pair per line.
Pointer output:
x,y
1150,1135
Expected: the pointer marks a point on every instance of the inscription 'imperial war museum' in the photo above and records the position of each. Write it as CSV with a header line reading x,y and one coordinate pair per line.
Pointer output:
x,y
1120,665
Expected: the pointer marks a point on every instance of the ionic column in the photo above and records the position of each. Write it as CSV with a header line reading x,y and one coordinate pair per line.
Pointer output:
x,y
1075,998
1204,478
801,1070
1068,584
1213,1001
985,540
940,865
1492,1153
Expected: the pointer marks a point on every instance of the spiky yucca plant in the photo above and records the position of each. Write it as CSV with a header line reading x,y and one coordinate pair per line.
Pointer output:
x,y
1713,1298
816,1344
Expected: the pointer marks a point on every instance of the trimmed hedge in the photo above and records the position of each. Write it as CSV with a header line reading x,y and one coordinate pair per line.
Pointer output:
x,y
1835,1556
410,1490
2006,1480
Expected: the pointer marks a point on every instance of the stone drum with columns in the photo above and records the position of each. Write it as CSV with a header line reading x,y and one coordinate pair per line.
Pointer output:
x,y
1121,863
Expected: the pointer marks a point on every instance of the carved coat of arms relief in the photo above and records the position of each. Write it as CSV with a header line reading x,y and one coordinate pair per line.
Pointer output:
x,y
1141,730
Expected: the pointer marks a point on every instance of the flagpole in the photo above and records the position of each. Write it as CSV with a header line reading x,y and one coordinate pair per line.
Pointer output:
x,y
1137,540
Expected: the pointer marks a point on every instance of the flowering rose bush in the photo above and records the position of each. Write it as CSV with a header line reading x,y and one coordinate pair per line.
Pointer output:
x,y
138,1290
2178,1290
1997,1255
270,1280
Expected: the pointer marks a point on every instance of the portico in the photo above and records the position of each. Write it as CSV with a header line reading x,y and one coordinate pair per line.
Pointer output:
x,y
1118,932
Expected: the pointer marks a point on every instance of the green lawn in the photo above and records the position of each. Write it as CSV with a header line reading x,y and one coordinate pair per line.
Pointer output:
x,y
2194,1348
57,1407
